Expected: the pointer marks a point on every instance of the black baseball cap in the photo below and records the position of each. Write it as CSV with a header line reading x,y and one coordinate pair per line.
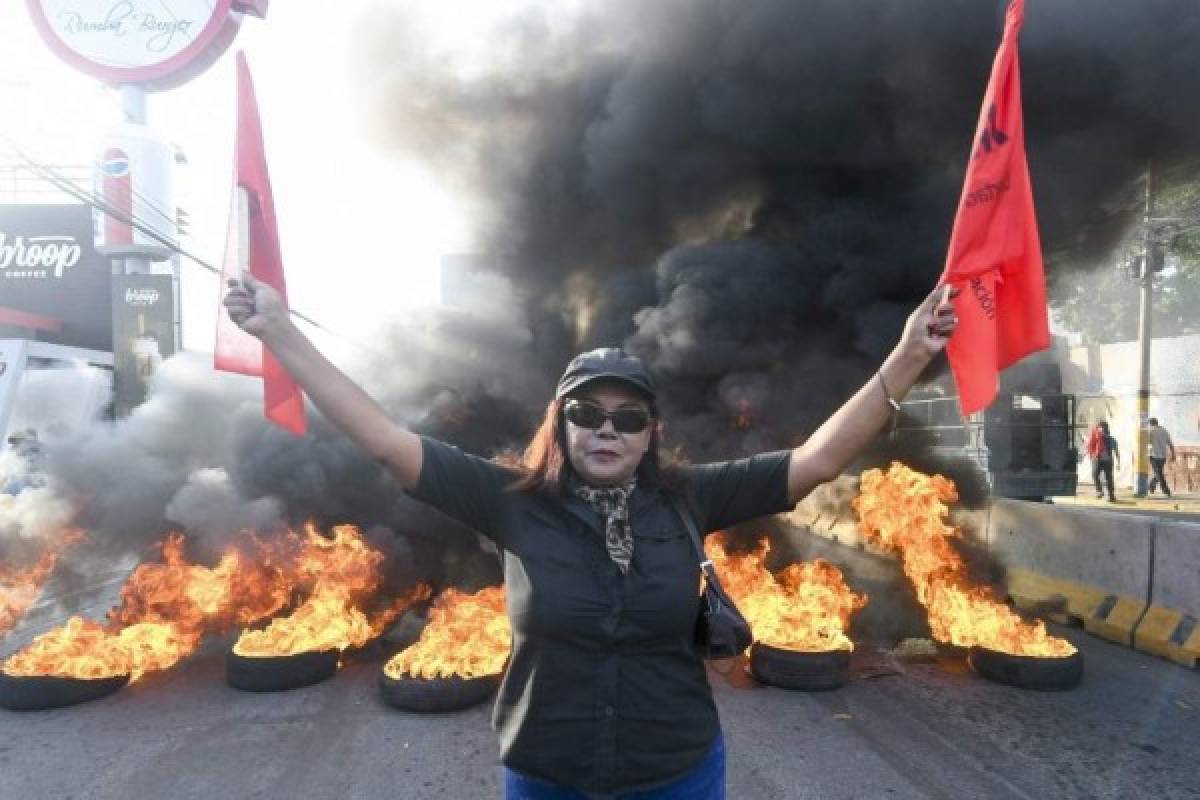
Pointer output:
x,y
605,362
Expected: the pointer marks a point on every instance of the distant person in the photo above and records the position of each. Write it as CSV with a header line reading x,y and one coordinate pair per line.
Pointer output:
x,y
1160,446
1102,449
26,446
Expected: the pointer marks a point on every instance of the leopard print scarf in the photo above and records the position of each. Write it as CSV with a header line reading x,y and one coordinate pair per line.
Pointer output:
x,y
612,506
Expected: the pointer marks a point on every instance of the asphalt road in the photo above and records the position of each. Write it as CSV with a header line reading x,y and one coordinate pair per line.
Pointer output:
x,y
898,730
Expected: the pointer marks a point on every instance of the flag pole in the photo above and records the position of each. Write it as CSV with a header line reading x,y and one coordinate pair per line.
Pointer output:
x,y
243,233
255,251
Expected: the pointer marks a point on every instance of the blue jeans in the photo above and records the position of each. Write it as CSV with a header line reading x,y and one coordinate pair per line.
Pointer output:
x,y
705,782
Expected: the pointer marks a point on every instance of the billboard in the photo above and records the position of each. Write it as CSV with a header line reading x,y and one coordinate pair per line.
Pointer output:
x,y
158,44
143,311
49,266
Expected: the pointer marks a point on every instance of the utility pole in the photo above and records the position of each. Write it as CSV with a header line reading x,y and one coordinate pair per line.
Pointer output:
x,y
1145,334
133,104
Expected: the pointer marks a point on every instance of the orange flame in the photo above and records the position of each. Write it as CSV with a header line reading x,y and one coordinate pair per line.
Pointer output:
x,y
904,510
346,571
328,620
156,646
19,588
804,607
84,646
198,599
467,635
744,419
166,609
345,559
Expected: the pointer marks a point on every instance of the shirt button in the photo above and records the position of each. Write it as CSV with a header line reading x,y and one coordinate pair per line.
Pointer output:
x,y
609,711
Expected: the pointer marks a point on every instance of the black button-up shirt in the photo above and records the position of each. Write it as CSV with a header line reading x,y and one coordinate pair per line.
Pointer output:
x,y
604,691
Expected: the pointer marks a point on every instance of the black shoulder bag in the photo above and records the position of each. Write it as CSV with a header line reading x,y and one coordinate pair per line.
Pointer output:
x,y
721,630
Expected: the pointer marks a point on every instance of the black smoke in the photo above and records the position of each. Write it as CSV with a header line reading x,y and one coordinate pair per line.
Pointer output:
x,y
199,458
752,195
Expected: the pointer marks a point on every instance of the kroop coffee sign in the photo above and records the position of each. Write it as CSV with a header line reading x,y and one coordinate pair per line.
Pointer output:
x,y
158,44
38,256
49,266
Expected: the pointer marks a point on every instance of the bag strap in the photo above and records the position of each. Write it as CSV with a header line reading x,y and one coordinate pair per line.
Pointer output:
x,y
689,522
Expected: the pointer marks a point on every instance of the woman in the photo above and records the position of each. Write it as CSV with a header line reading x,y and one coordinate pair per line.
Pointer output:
x,y
604,695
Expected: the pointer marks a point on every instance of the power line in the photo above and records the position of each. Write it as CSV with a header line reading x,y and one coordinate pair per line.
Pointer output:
x,y
90,198
64,184
146,201
51,175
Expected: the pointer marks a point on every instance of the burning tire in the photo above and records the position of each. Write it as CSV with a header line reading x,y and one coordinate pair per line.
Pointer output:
x,y
40,692
437,694
795,669
1027,672
279,673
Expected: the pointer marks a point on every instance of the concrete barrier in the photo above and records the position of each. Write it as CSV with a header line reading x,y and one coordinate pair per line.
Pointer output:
x,y
1169,628
1060,600
1082,565
840,525
1131,579
1110,551
840,528
1169,633
1177,566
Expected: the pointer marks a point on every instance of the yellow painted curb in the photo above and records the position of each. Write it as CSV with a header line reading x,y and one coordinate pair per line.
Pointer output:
x,y
1108,616
1169,633
1064,602
1116,622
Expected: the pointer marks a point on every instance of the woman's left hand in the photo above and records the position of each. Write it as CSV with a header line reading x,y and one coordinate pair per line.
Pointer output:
x,y
930,326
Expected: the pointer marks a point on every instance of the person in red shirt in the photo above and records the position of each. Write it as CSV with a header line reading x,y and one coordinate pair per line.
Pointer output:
x,y
1102,449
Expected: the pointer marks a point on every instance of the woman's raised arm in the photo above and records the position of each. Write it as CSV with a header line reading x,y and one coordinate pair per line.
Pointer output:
x,y
859,420
258,310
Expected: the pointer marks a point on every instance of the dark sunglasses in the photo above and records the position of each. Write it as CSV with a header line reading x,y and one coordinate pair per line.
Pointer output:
x,y
592,417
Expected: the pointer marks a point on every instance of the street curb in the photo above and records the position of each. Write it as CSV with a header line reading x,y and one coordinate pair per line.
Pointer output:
x,y
1108,616
1169,633
1130,621
1116,619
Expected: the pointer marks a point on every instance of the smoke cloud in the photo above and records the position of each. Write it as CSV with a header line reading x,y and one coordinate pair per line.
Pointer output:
x,y
753,195
199,457
749,195
34,514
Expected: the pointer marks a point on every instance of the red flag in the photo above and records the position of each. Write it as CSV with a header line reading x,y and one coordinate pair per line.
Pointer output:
x,y
236,350
995,255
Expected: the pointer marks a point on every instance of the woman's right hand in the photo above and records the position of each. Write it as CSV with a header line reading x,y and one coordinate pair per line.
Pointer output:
x,y
254,306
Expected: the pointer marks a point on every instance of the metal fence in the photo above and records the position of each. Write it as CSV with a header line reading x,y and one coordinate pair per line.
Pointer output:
x,y
1184,473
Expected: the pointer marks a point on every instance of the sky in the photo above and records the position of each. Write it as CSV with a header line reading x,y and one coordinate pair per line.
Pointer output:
x,y
362,231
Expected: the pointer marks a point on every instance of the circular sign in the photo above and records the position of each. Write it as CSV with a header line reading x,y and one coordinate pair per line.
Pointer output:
x,y
158,44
